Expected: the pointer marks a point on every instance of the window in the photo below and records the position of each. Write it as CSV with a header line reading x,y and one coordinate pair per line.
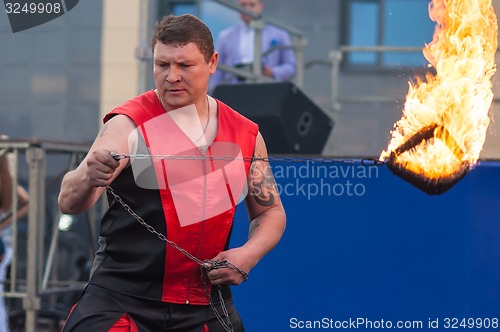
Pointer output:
x,y
216,16
183,8
390,23
177,7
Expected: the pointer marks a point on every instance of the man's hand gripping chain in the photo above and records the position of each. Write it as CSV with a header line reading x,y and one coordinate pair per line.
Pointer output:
x,y
210,265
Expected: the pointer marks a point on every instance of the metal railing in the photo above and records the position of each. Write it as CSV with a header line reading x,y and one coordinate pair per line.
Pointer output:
x,y
334,61
38,265
299,43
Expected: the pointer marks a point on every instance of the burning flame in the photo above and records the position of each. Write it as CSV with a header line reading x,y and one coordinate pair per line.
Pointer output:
x,y
454,103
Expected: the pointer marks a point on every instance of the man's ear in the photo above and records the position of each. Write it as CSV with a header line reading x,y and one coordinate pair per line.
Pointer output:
x,y
213,62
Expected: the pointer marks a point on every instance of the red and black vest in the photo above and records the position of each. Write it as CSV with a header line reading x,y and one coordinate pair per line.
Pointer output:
x,y
191,201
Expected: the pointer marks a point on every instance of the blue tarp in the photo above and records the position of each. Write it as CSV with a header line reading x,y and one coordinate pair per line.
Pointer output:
x,y
362,244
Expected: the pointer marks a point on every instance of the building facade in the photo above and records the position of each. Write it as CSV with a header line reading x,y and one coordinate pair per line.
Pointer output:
x,y
59,78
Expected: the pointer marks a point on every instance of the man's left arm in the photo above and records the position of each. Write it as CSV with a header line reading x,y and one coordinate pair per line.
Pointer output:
x,y
267,224
286,67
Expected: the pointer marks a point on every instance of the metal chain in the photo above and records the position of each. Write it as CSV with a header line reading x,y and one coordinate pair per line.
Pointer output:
x,y
362,161
208,265
228,326
205,265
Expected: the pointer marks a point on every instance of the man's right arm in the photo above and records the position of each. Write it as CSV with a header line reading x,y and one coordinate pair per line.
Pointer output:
x,y
82,187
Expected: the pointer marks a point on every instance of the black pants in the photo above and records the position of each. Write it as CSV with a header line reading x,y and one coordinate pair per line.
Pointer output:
x,y
98,310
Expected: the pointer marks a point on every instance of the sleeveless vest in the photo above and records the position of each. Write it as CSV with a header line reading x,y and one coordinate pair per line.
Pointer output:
x,y
191,200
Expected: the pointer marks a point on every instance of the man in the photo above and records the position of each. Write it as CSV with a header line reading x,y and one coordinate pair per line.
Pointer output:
x,y
235,46
163,262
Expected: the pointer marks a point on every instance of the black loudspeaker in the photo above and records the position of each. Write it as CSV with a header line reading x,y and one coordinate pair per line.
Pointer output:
x,y
289,121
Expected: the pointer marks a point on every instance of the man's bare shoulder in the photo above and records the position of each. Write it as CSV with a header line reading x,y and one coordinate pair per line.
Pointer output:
x,y
118,124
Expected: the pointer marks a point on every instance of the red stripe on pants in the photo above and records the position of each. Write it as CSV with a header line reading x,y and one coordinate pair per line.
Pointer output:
x,y
124,324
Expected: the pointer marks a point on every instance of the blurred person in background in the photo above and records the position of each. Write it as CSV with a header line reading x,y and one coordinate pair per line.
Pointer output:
x,y
6,200
235,46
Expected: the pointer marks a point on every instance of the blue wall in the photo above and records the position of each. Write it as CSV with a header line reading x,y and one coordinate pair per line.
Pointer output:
x,y
387,251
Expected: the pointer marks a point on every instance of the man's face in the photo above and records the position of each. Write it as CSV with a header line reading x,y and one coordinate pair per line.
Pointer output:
x,y
255,6
181,74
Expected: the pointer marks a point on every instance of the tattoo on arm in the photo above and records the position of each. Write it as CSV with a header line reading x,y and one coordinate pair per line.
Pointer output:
x,y
264,187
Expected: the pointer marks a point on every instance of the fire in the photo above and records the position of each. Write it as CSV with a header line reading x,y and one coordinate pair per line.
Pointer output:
x,y
447,115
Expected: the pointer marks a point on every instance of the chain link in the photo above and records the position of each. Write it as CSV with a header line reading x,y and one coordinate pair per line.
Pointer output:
x,y
205,265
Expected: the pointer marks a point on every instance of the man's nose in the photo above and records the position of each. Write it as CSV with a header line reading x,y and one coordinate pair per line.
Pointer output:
x,y
173,74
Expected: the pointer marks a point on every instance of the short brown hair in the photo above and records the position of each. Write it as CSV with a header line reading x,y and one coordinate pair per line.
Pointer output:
x,y
182,30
